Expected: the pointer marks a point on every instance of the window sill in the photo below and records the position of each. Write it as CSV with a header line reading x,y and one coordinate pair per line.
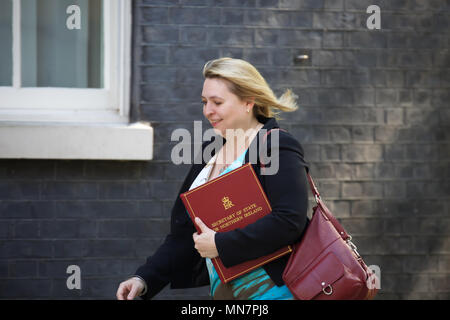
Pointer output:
x,y
76,141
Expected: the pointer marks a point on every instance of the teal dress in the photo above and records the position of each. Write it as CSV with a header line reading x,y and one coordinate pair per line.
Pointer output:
x,y
255,285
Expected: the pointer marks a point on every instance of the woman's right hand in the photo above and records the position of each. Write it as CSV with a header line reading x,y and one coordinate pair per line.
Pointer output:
x,y
129,289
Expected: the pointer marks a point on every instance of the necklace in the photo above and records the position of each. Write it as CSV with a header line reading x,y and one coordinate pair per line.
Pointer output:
x,y
222,169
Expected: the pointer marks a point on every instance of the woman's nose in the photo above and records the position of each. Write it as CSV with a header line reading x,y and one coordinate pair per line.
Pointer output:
x,y
208,109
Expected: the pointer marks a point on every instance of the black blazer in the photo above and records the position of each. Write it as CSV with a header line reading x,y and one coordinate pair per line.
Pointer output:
x,y
177,262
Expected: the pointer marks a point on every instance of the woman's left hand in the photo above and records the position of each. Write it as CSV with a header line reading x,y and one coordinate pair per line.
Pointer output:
x,y
204,242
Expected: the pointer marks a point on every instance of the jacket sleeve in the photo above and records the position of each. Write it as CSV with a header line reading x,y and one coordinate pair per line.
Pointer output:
x,y
156,272
287,191
176,259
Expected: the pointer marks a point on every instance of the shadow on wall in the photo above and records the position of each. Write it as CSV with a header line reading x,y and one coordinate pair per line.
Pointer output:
x,y
410,224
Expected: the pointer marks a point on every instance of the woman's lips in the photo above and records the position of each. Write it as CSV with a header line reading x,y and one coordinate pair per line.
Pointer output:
x,y
214,123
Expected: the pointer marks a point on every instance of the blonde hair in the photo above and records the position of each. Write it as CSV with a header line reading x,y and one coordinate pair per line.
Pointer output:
x,y
245,81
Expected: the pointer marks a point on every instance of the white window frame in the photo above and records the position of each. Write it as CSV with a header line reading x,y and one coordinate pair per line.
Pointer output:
x,y
73,123
108,104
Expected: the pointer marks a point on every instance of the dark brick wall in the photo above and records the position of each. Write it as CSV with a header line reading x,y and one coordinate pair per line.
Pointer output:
x,y
374,120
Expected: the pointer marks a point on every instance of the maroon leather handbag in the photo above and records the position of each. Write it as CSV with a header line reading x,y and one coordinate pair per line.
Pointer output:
x,y
325,264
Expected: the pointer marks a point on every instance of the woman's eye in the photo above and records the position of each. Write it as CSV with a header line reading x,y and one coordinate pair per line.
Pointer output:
x,y
218,103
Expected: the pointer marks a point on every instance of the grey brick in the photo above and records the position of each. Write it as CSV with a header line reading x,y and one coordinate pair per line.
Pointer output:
x,y
359,77
323,170
300,19
334,4
70,170
312,152
158,74
160,2
149,228
150,208
156,34
362,208
234,3
164,189
385,97
415,116
394,189
112,229
399,40
395,116
365,58
340,134
111,248
332,39
336,20
26,209
330,152
232,52
440,283
386,134
232,36
334,77
363,97
138,190
234,17
154,15
17,190
268,3
111,190
161,92
364,171
24,288
299,76
364,226
194,35
328,190
257,56
195,56
69,190
394,152
105,170
198,16
26,229
200,3
362,189
154,55
30,170
23,269
344,172
266,37
26,249
301,4
368,40
339,208
368,152
300,39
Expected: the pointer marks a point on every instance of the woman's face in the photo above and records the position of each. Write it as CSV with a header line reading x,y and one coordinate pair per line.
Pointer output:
x,y
223,109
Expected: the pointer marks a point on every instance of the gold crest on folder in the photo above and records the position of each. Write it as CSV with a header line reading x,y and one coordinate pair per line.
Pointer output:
x,y
227,204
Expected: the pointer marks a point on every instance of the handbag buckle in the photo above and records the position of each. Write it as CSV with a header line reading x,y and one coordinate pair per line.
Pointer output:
x,y
317,198
328,290
352,246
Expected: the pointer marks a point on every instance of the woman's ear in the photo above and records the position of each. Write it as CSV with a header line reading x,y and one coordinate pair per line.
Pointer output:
x,y
249,103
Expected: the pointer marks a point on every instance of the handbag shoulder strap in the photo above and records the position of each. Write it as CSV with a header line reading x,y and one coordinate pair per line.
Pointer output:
x,y
324,209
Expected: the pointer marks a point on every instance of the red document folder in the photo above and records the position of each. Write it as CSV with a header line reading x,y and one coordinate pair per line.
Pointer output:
x,y
228,202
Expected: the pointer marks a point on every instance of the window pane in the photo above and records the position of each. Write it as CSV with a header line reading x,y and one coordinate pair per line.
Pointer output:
x,y
6,43
62,43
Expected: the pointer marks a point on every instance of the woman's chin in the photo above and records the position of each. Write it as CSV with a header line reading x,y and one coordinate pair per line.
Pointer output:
x,y
218,131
